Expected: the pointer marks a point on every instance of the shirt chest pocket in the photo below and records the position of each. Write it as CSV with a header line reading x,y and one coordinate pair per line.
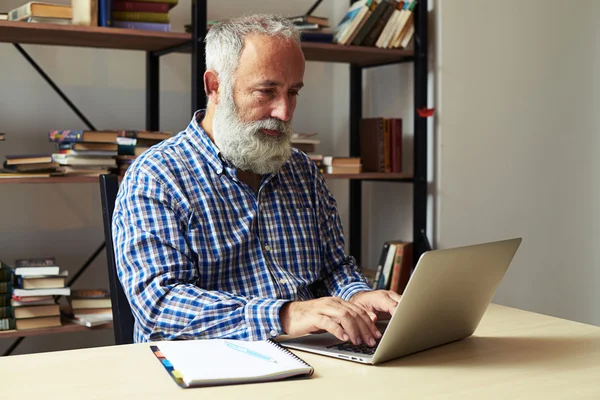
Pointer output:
x,y
294,231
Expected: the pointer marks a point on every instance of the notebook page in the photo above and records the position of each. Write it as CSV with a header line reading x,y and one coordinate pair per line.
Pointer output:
x,y
213,361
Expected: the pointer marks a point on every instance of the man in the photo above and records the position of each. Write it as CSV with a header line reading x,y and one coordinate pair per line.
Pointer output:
x,y
221,230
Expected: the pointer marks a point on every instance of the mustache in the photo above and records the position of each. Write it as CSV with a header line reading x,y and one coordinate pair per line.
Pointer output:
x,y
271,124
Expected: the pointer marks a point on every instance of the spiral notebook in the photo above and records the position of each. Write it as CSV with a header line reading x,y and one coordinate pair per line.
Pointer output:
x,y
212,362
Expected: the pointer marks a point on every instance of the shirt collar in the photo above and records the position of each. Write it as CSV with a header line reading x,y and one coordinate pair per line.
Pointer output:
x,y
207,149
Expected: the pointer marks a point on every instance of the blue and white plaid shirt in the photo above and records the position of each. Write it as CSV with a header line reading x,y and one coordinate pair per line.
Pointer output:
x,y
200,255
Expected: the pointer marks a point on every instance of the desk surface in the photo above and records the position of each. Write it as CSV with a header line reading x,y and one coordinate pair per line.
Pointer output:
x,y
513,354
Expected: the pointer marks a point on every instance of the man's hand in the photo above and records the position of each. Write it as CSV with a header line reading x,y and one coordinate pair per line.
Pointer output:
x,y
341,318
379,302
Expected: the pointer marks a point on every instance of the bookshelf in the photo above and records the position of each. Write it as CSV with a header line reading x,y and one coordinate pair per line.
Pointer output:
x,y
55,179
67,327
129,39
365,176
158,44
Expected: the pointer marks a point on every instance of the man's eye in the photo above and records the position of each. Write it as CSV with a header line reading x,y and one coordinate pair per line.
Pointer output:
x,y
295,94
266,91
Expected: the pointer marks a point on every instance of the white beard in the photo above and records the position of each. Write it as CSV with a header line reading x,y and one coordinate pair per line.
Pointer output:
x,y
245,146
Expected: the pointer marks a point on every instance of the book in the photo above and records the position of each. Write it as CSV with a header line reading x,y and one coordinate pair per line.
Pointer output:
x,y
43,281
43,20
36,311
85,12
171,3
309,19
141,16
402,268
92,320
37,323
119,5
28,159
212,362
36,266
347,20
379,25
74,136
40,9
89,298
64,291
143,26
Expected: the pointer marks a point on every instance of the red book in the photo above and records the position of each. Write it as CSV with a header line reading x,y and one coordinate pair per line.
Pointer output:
x,y
140,6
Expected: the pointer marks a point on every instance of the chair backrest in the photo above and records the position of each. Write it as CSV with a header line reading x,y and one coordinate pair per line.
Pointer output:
x,y
122,316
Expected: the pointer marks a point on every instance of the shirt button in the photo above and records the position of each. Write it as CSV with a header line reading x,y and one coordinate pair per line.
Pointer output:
x,y
282,281
273,333
267,247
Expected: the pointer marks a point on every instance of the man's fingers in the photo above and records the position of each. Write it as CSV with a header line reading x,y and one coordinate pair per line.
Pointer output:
x,y
391,302
373,332
331,326
395,296
356,323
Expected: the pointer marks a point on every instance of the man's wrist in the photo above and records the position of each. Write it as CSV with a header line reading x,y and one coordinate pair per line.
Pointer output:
x,y
284,317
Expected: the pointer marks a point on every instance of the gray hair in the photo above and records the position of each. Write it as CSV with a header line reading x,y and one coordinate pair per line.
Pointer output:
x,y
225,40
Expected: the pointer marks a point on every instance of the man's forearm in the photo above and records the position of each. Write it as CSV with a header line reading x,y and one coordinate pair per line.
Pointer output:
x,y
188,312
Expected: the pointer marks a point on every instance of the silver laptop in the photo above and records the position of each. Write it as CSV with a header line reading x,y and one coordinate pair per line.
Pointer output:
x,y
444,301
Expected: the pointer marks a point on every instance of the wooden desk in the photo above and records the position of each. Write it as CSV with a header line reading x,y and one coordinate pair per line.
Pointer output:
x,y
514,354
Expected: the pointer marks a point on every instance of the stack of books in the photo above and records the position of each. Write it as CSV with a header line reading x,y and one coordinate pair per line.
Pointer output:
x,y
387,24
37,281
84,153
36,11
381,144
149,15
342,165
28,165
90,307
306,142
313,28
134,143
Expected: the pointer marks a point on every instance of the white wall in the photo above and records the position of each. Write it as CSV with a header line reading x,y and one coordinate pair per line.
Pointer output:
x,y
518,96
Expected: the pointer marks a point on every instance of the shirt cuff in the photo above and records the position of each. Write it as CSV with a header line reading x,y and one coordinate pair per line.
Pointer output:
x,y
347,292
262,318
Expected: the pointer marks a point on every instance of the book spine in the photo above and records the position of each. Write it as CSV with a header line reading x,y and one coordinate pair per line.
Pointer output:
x,y
65,136
5,287
6,312
20,13
5,300
7,324
140,6
373,35
144,26
141,16
104,12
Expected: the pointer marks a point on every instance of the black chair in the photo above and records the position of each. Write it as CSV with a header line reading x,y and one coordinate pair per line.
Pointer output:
x,y
122,316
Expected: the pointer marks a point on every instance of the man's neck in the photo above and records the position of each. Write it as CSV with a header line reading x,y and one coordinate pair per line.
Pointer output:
x,y
206,123
250,178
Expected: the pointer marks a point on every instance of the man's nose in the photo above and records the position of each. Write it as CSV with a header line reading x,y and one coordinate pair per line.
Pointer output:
x,y
282,109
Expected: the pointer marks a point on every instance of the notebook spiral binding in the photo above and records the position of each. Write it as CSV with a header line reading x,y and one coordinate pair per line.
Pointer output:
x,y
285,350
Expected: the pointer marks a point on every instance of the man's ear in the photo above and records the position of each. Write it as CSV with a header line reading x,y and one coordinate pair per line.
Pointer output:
x,y
211,86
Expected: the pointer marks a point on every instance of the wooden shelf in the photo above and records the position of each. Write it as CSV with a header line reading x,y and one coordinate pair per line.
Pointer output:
x,y
132,39
383,176
67,327
360,55
54,179
88,36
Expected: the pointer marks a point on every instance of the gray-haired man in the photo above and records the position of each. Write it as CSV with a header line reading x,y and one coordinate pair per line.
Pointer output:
x,y
221,230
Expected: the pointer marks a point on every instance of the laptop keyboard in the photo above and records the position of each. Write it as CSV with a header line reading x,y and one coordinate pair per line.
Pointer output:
x,y
355,348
